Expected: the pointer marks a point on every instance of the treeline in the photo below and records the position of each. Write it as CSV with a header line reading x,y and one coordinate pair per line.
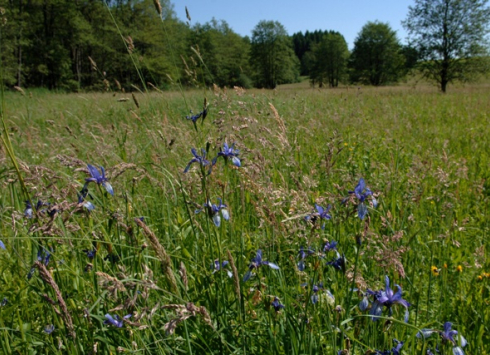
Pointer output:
x,y
98,45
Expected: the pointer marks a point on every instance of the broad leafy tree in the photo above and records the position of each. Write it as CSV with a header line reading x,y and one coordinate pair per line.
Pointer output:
x,y
330,59
272,57
450,37
376,58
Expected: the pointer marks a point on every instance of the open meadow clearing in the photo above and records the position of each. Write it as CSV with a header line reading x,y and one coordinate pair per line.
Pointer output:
x,y
288,221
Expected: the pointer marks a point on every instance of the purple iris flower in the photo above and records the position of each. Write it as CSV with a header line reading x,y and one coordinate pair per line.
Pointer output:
x,y
314,296
201,159
321,213
49,329
82,195
2,246
229,152
90,253
362,193
99,178
398,347
302,256
330,246
256,263
28,211
43,255
116,320
339,263
221,266
277,305
213,211
387,298
195,117
447,335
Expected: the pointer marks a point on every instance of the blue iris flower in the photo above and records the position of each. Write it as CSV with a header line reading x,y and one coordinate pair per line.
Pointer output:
x,y
221,266
82,195
387,298
28,213
330,246
194,118
43,256
256,263
277,305
2,246
448,336
99,178
339,263
362,193
201,159
229,152
321,213
49,329
214,210
398,347
116,321
302,256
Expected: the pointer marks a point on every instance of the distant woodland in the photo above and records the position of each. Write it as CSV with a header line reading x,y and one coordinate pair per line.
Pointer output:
x,y
74,45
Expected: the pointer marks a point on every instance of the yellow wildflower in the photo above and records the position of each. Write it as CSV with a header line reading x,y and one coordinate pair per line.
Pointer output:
x,y
434,270
459,268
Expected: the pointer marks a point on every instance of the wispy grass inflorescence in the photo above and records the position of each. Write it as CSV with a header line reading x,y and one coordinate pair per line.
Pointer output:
x,y
64,313
161,254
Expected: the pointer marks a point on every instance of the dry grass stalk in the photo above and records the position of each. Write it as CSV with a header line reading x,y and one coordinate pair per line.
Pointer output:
x,y
47,278
110,283
183,274
94,65
187,14
155,88
130,43
135,101
19,89
184,312
282,136
236,278
158,6
161,254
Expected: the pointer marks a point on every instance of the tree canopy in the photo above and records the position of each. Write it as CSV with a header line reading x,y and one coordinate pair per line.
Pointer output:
x,y
450,37
329,62
376,58
272,55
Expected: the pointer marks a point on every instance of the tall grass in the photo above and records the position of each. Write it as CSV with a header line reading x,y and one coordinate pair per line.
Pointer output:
x,y
424,156
149,269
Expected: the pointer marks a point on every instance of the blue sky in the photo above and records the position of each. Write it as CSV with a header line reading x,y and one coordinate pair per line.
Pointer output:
x,y
344,16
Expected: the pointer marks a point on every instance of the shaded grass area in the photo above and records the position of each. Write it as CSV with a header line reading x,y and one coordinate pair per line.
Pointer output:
x,y
423,155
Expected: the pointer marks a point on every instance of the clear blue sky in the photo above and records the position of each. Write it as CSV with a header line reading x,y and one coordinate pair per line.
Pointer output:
x,y
344,16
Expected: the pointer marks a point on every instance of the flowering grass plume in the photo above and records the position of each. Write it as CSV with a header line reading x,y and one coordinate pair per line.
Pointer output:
x,y
256,263
99,178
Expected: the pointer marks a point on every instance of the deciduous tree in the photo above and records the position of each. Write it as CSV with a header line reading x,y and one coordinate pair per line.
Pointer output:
x,y
376,58
450,37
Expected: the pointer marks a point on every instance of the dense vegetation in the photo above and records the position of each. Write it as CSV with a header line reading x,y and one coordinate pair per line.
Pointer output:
x,y
141,271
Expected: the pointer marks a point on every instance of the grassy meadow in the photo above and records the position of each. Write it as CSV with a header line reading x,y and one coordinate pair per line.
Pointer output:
x,y
137,273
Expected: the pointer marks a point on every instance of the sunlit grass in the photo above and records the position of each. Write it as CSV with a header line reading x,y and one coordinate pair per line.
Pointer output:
x,y
424,155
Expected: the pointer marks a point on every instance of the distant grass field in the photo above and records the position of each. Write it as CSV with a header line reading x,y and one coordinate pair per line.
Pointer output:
x,y
69,274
